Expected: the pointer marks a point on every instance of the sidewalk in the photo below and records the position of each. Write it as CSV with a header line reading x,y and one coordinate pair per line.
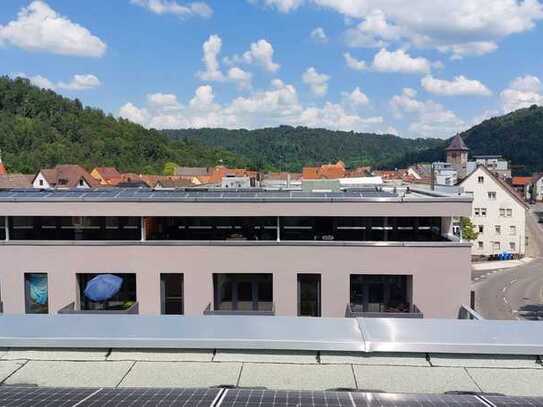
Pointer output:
x,y
498,265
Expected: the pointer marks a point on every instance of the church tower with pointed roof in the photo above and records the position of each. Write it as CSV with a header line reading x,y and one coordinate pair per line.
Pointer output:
x,y
457,155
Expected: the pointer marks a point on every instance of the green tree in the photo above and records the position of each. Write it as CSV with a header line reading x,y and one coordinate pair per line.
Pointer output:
x,y
469,232
169,168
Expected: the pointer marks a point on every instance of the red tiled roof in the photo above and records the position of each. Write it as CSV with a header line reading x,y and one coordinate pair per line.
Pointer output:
x,y
68,176
517,181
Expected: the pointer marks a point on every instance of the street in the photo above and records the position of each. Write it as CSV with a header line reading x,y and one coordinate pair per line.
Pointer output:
x,y
515,293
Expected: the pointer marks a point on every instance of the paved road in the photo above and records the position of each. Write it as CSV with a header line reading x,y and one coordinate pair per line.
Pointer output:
x,y
515,293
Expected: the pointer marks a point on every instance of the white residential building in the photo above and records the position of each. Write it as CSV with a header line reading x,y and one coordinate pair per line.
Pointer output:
x,y
498,213
494,163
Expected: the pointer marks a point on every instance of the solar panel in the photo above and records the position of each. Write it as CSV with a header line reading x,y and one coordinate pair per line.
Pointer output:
x,y
505,401
42,396
418,400
135,397
269,398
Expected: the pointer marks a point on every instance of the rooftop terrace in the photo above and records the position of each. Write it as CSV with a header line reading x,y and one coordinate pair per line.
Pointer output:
x,y
297,354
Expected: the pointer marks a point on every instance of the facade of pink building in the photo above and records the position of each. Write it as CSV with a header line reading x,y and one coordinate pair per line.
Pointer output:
x,y
363,253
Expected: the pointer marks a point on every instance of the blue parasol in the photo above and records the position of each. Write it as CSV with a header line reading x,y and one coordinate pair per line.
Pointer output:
x,y
103,287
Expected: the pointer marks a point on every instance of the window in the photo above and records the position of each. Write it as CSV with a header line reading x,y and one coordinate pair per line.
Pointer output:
x,y
483,211
509,213
502,212
481,180
2,228
380,293
512,230
122,300
74,228
40,182
36,293
481,229
243,292
81,182
492,196
477,211
309,295
481,245
498,229
496,246
512,246
171,294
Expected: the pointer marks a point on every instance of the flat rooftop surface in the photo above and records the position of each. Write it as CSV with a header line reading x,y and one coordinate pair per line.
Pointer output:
x,y
194,195
298,371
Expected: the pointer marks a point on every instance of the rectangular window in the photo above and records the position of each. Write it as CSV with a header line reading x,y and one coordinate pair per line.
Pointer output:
x,y
512,246
509,213
498,229
171,294
481,245
309,295
481,180
492,196
92,298
380,293
477,211
481,229
243,292
496,246
36,293
2,228
74,228
502,212
512,230
483,211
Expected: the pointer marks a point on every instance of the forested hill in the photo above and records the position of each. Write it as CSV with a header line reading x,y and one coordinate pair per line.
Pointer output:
x,y
517,136
39,128
290,148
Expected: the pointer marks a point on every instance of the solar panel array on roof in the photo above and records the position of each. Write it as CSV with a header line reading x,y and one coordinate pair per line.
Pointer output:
x,y
144,194
218,397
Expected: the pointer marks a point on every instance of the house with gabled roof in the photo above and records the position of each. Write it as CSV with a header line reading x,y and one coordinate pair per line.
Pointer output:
x,y
107,176
65,176
498,214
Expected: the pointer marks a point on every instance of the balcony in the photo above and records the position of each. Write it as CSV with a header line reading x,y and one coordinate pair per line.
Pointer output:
x,y
267,309
131,309
377,310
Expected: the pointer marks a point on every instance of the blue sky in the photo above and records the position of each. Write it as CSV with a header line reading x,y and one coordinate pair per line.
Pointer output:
x,y
429,69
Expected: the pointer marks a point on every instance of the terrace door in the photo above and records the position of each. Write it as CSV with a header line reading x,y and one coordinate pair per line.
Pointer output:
x,y
309,295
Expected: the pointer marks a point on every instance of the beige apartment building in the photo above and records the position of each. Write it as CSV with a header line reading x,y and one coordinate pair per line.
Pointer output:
x,y
365,252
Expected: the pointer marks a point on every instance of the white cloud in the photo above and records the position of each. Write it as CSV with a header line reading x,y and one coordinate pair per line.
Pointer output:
x,y
317,82
211,49
373,32
77,83
400,61
199,9
461,27
39,28
240,77
260,52
522,92
356,98
354,63
272,107
319,35
431,119
460,85
476,48
284,6
134,114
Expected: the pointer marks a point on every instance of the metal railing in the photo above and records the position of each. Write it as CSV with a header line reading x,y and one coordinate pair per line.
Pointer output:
x,y
210,310
358,311
71,309
466,312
